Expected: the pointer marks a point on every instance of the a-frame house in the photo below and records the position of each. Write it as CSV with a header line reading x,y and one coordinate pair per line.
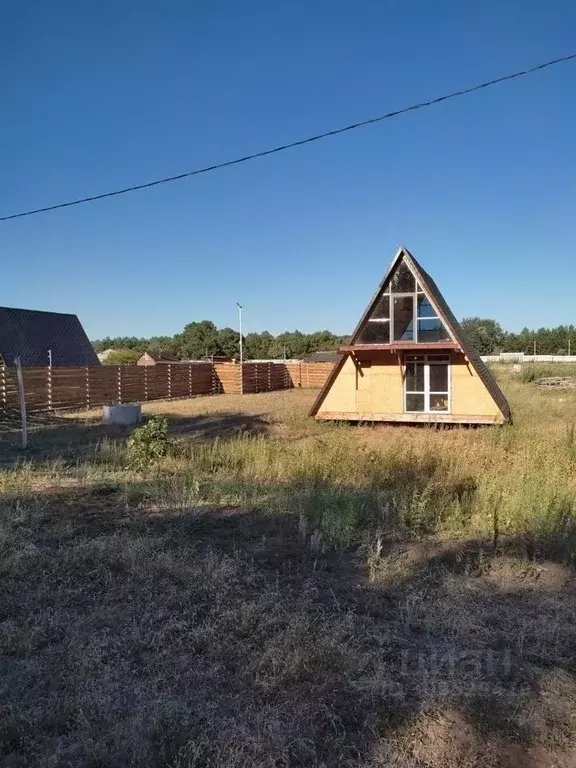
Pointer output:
x,y
408,360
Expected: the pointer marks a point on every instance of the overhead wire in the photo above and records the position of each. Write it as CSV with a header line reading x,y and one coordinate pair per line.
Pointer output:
x,y
294,144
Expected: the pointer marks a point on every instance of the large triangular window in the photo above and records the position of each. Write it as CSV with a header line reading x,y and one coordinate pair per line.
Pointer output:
x,y
402,312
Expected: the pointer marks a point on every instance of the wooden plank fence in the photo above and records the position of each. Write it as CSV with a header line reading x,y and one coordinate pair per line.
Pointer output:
x,y
58,387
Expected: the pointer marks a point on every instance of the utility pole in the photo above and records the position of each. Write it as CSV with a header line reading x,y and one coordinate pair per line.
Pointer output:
x,y
240,331
241,348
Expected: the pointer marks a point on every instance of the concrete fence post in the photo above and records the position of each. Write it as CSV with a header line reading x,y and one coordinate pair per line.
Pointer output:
x,y
119,383
3,392
22,399
49,386
169,381
87,387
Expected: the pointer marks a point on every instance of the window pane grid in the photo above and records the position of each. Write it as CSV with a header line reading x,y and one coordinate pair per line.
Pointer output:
x,y
407,310
427,384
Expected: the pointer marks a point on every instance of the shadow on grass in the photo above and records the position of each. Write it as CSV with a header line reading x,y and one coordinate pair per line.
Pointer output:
x,y
71,439
136,633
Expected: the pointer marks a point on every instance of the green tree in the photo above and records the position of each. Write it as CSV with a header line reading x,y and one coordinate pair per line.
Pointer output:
x,y
122,357
487,336
197,340
257,345
228,342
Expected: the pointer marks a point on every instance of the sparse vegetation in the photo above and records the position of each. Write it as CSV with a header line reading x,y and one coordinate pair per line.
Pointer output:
x,y
266,590
534,371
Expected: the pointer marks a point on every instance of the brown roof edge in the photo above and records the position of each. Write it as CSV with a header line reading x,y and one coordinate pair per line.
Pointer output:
x,y
327,384
458,333
399,253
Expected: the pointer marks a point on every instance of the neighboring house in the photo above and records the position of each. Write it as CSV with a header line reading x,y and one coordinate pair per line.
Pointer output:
x,y
40,337
322,357
409,360
103,356
156,358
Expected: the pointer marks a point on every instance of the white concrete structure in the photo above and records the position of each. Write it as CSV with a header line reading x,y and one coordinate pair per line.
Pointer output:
x,y
124,415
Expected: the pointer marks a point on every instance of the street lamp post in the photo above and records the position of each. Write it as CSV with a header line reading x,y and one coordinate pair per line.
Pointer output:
x,y
241,348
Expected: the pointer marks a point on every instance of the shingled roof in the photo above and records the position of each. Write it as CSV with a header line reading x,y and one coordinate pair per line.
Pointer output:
x,y
29,334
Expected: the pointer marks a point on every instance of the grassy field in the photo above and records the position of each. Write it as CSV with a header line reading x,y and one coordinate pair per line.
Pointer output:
x,y
280,592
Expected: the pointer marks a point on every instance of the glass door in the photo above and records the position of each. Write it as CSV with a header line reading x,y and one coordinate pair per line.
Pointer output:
x,y
427,384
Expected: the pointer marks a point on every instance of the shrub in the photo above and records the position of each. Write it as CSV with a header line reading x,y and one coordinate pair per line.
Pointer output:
x,y
528,375
148,443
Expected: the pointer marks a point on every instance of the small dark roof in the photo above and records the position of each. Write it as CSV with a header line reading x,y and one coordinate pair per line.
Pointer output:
x,y
162,357
29,333
322,357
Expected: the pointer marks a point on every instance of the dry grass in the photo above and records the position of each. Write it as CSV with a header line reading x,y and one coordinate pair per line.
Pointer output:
x,y
281,592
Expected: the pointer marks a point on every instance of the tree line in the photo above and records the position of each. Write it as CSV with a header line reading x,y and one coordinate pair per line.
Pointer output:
x,y
489,338
201,339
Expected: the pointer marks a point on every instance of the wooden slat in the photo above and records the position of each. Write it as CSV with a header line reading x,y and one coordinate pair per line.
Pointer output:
x,y
81,387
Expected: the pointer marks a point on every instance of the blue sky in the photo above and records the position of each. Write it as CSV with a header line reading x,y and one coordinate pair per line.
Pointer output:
x,y
102,95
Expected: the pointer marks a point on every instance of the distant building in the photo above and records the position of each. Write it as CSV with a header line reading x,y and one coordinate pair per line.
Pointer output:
x,y
322,357
156,358
103,356
40,338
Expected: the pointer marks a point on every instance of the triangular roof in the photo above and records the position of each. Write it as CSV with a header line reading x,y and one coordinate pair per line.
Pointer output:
x,y
30,333
459,338
159,356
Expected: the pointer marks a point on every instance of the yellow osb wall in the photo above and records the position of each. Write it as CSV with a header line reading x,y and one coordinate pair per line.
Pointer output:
x,y
376,386
469,395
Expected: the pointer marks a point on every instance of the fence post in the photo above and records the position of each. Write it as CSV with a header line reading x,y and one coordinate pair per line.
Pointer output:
x,y
3,386
22,398
190,379
119,383
269,377
49,382
145,383
169,381
87,387
242,378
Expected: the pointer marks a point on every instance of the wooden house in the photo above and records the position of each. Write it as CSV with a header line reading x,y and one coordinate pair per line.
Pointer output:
x,y
43,338
408,360
157,358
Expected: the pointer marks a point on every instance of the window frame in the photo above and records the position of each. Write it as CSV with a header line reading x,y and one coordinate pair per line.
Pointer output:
x,y
418,291
425,360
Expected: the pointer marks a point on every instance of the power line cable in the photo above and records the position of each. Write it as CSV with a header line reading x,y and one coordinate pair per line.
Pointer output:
x,y
294,144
